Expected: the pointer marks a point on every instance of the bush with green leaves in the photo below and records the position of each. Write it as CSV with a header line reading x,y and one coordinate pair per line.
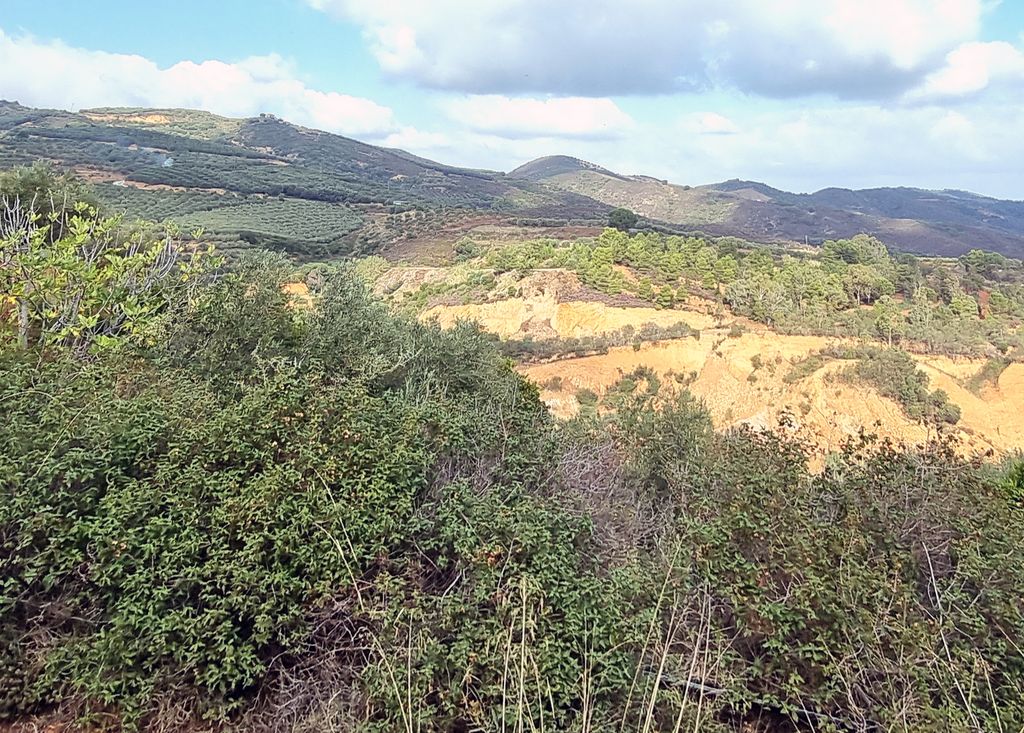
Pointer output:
x,y
177,519
882,593
895,375
93,285
335,518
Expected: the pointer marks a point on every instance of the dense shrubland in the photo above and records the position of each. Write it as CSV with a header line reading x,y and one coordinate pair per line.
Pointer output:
x,y
336,518
527,350
892,372
229,512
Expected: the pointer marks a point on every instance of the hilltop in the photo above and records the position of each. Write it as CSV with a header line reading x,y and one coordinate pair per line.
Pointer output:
x,y
546,168
914,220
265,182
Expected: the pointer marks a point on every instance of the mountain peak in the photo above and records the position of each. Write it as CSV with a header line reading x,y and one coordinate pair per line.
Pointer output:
x,y
555,165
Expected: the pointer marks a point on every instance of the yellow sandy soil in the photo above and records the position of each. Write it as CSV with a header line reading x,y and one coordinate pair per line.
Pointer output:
x,y
521,316
151,119
827,411
543,308
718,368
298,293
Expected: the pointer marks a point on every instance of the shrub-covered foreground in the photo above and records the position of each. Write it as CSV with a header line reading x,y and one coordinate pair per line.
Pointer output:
x,y
270,518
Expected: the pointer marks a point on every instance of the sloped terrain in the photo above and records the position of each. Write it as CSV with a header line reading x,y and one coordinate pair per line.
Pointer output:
x,y
183,164
744,372
721,371
915,220
201,169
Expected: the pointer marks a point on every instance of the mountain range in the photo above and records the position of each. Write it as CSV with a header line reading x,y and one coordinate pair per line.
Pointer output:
x,y
265,182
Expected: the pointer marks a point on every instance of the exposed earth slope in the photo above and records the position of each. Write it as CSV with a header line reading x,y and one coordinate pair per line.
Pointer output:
x,y
743,371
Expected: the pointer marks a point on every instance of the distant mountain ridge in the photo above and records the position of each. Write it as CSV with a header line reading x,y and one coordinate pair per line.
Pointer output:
x,y
947,222
266,182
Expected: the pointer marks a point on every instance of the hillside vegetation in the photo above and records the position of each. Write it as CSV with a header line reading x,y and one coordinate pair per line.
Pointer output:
x,y
851,287
221,508
831,341
220,168
216,171
915,220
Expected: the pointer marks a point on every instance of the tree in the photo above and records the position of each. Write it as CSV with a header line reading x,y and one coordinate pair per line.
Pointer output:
x,y
757,262
889,319
760,297
616,241
645,289
726,269
666,297
859,250
94,285
704,262
43,195
622,219
963,304
865,284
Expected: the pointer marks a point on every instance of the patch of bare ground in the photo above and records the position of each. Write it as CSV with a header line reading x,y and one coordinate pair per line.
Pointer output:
x,y
741,382
432,242
98,175
739,374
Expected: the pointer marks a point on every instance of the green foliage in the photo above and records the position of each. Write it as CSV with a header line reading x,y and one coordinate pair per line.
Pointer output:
x,y
895,375
890,322
663,262
622,219
527,349
988,374
761,546
819,294
51,195
1012,481
805,367
225,484
337,518
963,305
93,286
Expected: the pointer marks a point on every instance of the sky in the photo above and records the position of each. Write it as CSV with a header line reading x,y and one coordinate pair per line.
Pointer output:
x,y
800,94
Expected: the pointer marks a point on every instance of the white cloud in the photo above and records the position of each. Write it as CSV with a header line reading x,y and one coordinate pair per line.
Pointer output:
x,y
857,146
972,68
974,147
850,48
708,123
53,74
571,117
412,139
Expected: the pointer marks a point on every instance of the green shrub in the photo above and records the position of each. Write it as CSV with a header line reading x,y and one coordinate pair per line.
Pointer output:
x,y
988,374
803,368
337,518
895,375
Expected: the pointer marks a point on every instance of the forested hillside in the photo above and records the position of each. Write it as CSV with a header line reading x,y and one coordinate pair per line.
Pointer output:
x,y
263,182
913,220
222,508
251,181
